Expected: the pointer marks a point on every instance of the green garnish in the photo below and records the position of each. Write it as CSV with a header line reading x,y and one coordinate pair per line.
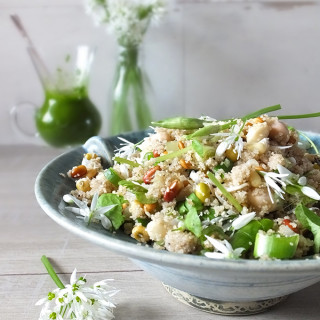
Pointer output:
x,y
115,214
275,245
112,176
310,221
132,186
181,123
245,236
203,151
172,155
300,116
192,222
223,190
258,113
142,198
126,161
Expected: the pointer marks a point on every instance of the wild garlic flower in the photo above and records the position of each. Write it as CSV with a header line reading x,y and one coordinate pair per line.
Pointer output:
x,y
224,250
91,213
127,148
76,301
298,182
276,182
128,20
232,138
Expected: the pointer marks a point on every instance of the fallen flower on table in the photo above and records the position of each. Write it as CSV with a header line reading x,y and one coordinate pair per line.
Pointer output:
x,y
75,300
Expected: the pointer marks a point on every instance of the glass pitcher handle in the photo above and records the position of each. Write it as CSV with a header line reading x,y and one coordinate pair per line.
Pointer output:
x,y
21,126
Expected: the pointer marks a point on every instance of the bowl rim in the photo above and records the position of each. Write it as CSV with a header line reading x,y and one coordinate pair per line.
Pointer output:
x,y
151,255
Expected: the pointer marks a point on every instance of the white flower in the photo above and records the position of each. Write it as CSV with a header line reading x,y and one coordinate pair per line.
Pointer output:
x,y
126,150
75,301
273,180
224,249
232,138
91,213
128,20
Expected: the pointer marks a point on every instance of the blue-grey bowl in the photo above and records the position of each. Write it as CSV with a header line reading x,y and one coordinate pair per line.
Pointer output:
x,y
218,286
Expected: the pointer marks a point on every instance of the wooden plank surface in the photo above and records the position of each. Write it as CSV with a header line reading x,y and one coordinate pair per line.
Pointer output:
x,y
26,233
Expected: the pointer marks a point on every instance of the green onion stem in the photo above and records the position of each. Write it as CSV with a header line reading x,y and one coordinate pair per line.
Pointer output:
x,y
173,154
260,112
129,162
51,272
300,116
228,195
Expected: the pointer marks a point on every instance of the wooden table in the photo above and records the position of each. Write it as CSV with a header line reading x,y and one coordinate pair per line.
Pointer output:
x,y
26,233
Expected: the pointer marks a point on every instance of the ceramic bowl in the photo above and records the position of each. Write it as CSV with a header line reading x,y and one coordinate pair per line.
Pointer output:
x,y
233,287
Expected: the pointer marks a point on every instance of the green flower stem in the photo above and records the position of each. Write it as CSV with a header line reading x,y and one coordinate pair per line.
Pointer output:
x,y
223,190
51,272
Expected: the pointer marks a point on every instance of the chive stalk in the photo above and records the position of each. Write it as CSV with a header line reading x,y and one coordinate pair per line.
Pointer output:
x,y
129,162
51,272
173,154
300,116
223,190
260,112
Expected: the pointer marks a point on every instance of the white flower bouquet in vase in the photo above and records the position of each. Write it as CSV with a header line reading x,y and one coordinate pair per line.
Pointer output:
x,y
128,20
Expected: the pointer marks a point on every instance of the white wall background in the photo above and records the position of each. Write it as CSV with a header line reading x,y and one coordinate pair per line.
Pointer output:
x,y
219,58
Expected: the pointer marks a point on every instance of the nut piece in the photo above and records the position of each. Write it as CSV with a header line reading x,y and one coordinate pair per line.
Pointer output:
x,y
150,174
172,191
150,207
79,171
184,164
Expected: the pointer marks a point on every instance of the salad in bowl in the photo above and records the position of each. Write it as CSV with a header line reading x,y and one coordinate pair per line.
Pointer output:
x,y
245,187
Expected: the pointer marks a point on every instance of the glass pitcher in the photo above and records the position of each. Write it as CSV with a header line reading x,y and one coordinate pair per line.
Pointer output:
x,y
67,116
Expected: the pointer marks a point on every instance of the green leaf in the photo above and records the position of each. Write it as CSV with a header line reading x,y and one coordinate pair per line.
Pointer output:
x,y
212,230
245,236
196,202
115,214
141,197
310,221
192,222
226,165
132,186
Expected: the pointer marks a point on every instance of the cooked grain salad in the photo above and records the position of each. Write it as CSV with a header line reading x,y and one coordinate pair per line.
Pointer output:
x,y
239,188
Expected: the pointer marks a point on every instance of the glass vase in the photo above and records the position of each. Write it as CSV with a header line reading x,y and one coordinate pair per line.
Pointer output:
x,y
130,93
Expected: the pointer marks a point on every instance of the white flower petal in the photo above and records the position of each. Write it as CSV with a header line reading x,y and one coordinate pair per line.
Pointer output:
x,y
215,255
219,245
311,193
73,278
94,201
302,181
243,220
